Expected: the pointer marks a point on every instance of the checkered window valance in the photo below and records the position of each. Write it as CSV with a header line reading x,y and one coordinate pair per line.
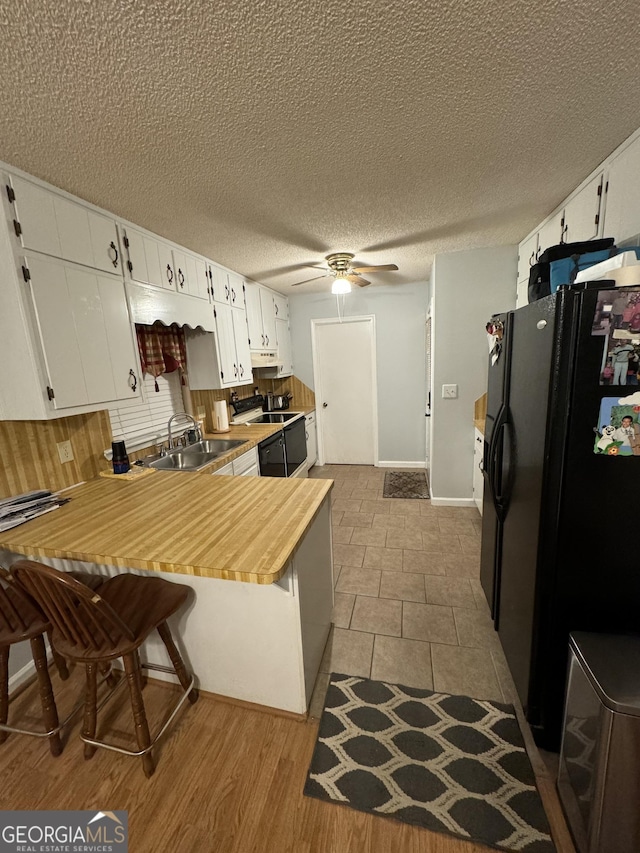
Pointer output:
x,y
162,349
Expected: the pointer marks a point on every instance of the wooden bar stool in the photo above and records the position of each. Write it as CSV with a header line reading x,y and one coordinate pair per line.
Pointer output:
x,y
97,627
21,619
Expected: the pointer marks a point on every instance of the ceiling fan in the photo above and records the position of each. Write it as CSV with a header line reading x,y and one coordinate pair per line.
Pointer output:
x,y
344,274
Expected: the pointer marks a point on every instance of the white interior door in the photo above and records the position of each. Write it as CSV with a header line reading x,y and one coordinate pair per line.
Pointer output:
x,y
346,399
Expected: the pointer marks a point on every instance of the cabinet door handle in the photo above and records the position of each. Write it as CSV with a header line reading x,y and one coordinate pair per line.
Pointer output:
x,y
235,370
112,247
169,274
180,277
241,371
263,340
233,296
307,435
226,291
133,381
267,337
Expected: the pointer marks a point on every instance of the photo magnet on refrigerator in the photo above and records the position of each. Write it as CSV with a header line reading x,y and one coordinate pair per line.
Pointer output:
x,y
618,430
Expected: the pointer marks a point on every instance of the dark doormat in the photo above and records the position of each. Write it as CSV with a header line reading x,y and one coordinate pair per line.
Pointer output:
x,y
446,763
405,484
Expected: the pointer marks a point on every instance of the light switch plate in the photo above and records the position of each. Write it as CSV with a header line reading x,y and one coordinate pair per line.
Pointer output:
x,y
64,451
449,392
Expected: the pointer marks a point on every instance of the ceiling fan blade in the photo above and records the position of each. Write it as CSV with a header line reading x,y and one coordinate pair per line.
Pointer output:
x,y
378,268
357,279
308,280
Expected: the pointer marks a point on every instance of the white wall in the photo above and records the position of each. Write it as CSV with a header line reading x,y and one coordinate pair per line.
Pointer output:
x,y
468,287
400,314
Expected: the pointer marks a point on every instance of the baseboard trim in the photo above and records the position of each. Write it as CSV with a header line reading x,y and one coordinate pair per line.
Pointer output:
x,y
465,502
385,464
21,677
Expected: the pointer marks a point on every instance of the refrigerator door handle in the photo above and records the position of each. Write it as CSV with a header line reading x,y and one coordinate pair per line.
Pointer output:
x,y
504,497
493,459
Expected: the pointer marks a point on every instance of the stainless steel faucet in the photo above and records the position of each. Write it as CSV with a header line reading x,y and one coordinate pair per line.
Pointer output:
x,y
182,415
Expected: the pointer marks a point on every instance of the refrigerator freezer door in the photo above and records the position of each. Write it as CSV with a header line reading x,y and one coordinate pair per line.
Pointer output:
x,y
497,389
522,474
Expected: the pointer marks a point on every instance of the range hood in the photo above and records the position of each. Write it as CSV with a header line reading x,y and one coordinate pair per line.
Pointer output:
x,y
265,359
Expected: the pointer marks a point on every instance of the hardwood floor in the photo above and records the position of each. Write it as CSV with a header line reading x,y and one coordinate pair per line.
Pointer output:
x,y
229,779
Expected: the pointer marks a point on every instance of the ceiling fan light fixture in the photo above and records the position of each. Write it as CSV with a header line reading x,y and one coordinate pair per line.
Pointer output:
x,y
341,285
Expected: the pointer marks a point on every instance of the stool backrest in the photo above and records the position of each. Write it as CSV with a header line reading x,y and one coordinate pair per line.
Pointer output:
x,y
18,612
81,616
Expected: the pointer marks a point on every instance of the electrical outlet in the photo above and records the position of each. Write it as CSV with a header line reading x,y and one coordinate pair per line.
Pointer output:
x,y
64,451
449,392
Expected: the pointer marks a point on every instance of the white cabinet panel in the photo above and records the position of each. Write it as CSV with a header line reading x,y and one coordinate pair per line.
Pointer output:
x,y
550,233
241,337
283,337
85,332
281,306
152,259
219,284
226,344
254,316
236,295
478,478
268,318
104,242
622,213
582,212
167,271
180,270
35,211
73,229
527,256
226,470
312,439
197,277
56,323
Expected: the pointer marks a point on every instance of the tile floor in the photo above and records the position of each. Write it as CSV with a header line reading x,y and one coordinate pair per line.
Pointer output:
x,y
409,607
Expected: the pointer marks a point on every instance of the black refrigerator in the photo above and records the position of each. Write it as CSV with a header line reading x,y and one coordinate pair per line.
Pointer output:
x,y
560,529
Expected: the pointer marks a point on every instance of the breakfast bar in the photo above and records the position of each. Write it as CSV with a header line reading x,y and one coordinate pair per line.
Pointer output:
x,y
256,552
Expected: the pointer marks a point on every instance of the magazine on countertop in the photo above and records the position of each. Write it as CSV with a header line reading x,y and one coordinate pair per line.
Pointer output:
x,y
21,508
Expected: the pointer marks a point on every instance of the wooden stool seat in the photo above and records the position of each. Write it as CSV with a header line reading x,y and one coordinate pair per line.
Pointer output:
x,y
94,627
142,603
22,619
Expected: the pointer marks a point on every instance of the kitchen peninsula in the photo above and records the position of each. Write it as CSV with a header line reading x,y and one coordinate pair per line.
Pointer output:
x,y
256,551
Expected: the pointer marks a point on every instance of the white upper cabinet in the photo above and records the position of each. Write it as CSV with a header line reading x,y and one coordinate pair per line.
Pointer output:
x,y
55,225
284,348
280,306
86,337
582,213
153,261
261,317
550,234
191,274
622,213
236,290
219,284
268,318
527,251
221,359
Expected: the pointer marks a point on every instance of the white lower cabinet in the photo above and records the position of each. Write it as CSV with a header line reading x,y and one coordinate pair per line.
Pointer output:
x,y
312,439
244,466
478,478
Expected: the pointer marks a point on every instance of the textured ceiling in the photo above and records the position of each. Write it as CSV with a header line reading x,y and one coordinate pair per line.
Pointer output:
x,y
267,134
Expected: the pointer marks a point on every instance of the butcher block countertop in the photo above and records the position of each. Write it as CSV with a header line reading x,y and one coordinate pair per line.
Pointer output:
x,y
234,528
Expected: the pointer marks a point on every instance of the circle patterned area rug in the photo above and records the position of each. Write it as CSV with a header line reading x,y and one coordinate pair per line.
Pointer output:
x,y
406,484
447,763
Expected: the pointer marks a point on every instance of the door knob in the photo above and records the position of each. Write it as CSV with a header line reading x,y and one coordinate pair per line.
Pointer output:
x,y
324,405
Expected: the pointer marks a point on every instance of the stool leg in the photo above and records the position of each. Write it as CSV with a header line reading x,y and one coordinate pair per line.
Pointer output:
x,y
90,708
132,670
59,661
176,660
49,710
4,690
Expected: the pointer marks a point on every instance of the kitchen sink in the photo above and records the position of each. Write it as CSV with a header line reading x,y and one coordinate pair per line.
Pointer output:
x,y
213,445
183,460
195,456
